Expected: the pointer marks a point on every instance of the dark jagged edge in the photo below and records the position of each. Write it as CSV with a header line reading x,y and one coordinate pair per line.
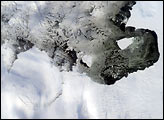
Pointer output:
x,y
123,14
130,31
118,20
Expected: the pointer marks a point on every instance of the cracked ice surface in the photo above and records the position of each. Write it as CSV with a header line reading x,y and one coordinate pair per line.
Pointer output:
x,y
35,89
68,33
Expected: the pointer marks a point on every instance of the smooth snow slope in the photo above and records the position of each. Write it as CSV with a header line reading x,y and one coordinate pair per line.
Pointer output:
x,y
35,89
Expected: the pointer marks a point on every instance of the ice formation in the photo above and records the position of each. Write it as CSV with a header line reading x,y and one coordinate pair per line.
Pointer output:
x,y
69,30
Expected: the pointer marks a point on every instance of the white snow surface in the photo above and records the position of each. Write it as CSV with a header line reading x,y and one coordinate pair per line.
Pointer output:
x,y
35,89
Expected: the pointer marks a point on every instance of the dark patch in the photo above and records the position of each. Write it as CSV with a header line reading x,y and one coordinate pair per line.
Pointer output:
x,y
123,14
108,79
122,27
23,45
83,63
73,55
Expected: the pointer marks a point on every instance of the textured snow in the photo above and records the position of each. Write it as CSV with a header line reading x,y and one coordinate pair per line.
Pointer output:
x,y
35,89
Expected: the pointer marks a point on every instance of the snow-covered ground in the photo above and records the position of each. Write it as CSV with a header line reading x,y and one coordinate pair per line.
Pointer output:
x,y
35,89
